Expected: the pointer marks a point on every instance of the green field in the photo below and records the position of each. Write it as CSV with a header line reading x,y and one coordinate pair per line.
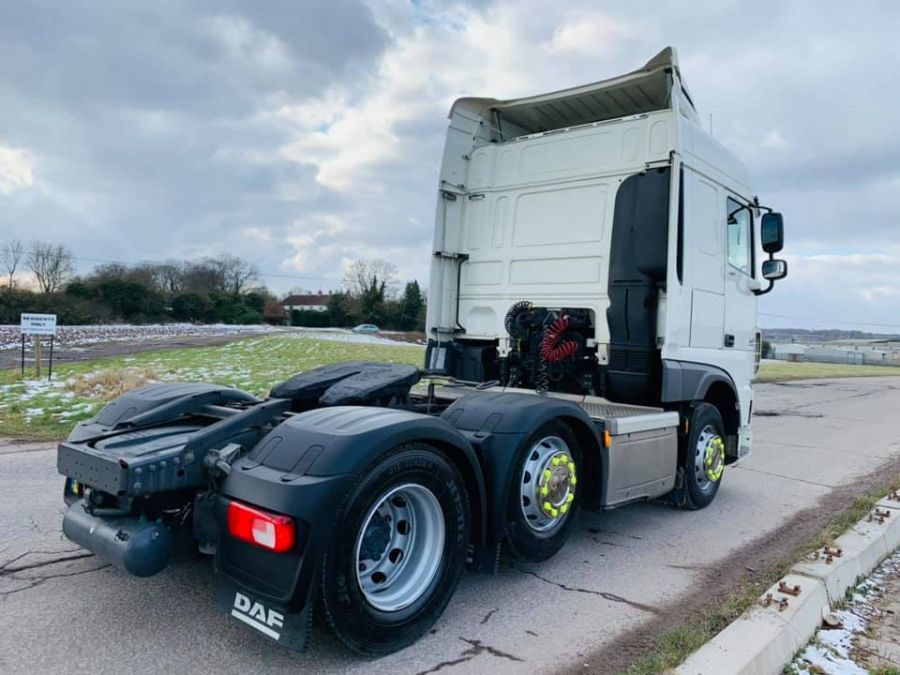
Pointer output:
x,y
41,409
784,370
38,409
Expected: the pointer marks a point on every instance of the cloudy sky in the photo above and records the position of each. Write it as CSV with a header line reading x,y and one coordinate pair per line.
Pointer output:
x,y
302,135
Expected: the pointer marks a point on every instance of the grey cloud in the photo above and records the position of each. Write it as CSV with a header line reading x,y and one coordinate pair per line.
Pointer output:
x,y
171,56
152,132
144,122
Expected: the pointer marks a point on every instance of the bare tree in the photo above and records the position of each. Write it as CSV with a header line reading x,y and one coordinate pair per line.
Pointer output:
x,y
109,272
364,275
51,264
237,275
170,276
11,255
144,273
202,276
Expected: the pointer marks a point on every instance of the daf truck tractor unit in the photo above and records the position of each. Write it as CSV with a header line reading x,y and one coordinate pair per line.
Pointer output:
x,y
591,342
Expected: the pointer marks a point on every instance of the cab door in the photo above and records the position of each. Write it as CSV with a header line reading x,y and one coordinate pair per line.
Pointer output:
x,y
740,300
705,256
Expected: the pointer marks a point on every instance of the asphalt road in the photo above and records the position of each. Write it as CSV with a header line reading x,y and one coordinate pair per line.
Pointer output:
x,y
63,611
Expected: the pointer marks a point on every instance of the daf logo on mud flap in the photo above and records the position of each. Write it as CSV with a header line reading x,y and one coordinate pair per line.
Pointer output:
x,y
256,615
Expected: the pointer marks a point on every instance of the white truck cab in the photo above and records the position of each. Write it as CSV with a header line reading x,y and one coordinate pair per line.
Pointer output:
x,y
607,203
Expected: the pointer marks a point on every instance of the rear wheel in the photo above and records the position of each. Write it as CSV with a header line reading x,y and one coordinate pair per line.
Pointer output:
x,y
704,456
544,496
397,551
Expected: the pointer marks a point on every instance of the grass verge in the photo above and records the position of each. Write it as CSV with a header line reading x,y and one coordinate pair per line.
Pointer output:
x,y
673,647
48,410
884,670
779,371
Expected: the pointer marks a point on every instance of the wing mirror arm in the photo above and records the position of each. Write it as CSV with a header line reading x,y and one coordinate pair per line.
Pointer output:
x,y
763,291
773,269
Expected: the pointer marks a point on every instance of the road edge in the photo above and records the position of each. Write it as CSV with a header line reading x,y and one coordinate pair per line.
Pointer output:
x,y
767,636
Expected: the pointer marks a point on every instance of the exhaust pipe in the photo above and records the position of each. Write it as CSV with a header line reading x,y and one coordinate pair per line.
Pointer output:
x,y
139,547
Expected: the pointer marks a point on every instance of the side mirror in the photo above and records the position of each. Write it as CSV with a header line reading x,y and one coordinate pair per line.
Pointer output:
x,y
771,232
774,269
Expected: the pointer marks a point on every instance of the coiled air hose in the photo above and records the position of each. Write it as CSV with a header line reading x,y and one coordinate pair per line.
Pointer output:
x,y
511,322
552,348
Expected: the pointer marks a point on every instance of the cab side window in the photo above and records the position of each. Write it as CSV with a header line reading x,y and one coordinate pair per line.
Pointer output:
x,y
739,225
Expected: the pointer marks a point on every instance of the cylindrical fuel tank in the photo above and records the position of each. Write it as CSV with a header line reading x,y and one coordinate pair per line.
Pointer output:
x,y
139,547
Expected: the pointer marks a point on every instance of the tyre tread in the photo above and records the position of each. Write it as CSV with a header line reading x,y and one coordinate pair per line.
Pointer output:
x,y
328,615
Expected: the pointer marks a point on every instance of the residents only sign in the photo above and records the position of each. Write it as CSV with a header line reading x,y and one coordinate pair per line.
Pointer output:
x,y
38,324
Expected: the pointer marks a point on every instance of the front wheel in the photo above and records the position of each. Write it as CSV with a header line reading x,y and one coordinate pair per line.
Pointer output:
x,y
704,456
397,551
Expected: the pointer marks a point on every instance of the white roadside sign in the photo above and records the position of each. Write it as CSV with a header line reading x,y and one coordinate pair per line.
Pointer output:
x,y
38,324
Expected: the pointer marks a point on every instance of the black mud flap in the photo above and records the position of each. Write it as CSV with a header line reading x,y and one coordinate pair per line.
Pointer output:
x,y
288,630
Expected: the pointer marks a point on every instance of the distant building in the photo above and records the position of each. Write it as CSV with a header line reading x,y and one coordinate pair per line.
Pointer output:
x,y
313,302
829,354
789,351
838,353
274,313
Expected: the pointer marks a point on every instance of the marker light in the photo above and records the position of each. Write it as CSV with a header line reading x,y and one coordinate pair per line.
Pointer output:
x,y
260,528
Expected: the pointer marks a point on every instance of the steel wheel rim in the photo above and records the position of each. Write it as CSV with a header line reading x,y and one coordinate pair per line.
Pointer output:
x,y
709,458
550,454
399,547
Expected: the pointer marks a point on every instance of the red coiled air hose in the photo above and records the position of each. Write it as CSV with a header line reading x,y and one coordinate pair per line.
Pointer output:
x,y
551,348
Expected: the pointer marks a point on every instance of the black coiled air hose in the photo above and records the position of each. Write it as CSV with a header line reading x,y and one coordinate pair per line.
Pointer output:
x,y
513,328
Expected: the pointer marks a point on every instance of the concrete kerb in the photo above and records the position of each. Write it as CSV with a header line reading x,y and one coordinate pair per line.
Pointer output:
x,y
766,637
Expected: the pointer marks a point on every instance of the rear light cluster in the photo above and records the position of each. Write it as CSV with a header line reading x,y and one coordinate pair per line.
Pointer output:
x,y
261,528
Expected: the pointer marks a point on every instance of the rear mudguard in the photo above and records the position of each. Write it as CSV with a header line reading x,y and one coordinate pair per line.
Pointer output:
x,y
304,468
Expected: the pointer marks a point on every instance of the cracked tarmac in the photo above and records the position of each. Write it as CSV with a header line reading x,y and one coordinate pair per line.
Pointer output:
x,y
63,610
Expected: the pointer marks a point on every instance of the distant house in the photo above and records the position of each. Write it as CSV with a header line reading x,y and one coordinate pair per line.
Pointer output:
x,y
313,302
274,313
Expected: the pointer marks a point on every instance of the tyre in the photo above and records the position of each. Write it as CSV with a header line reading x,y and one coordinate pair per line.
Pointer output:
x,y
397,551
704,456
543,496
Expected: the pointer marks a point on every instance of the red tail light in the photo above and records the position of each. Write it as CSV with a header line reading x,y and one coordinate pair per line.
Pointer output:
x,y
261,528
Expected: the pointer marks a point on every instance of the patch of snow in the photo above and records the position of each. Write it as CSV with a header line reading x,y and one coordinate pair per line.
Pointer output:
x,y
33,412
344,335
824,660
72,336
831,650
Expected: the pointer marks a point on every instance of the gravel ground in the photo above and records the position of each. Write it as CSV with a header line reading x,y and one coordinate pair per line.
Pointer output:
x,y
867,635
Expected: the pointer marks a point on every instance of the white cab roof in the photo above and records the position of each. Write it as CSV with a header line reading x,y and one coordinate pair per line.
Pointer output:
x,y
643,90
